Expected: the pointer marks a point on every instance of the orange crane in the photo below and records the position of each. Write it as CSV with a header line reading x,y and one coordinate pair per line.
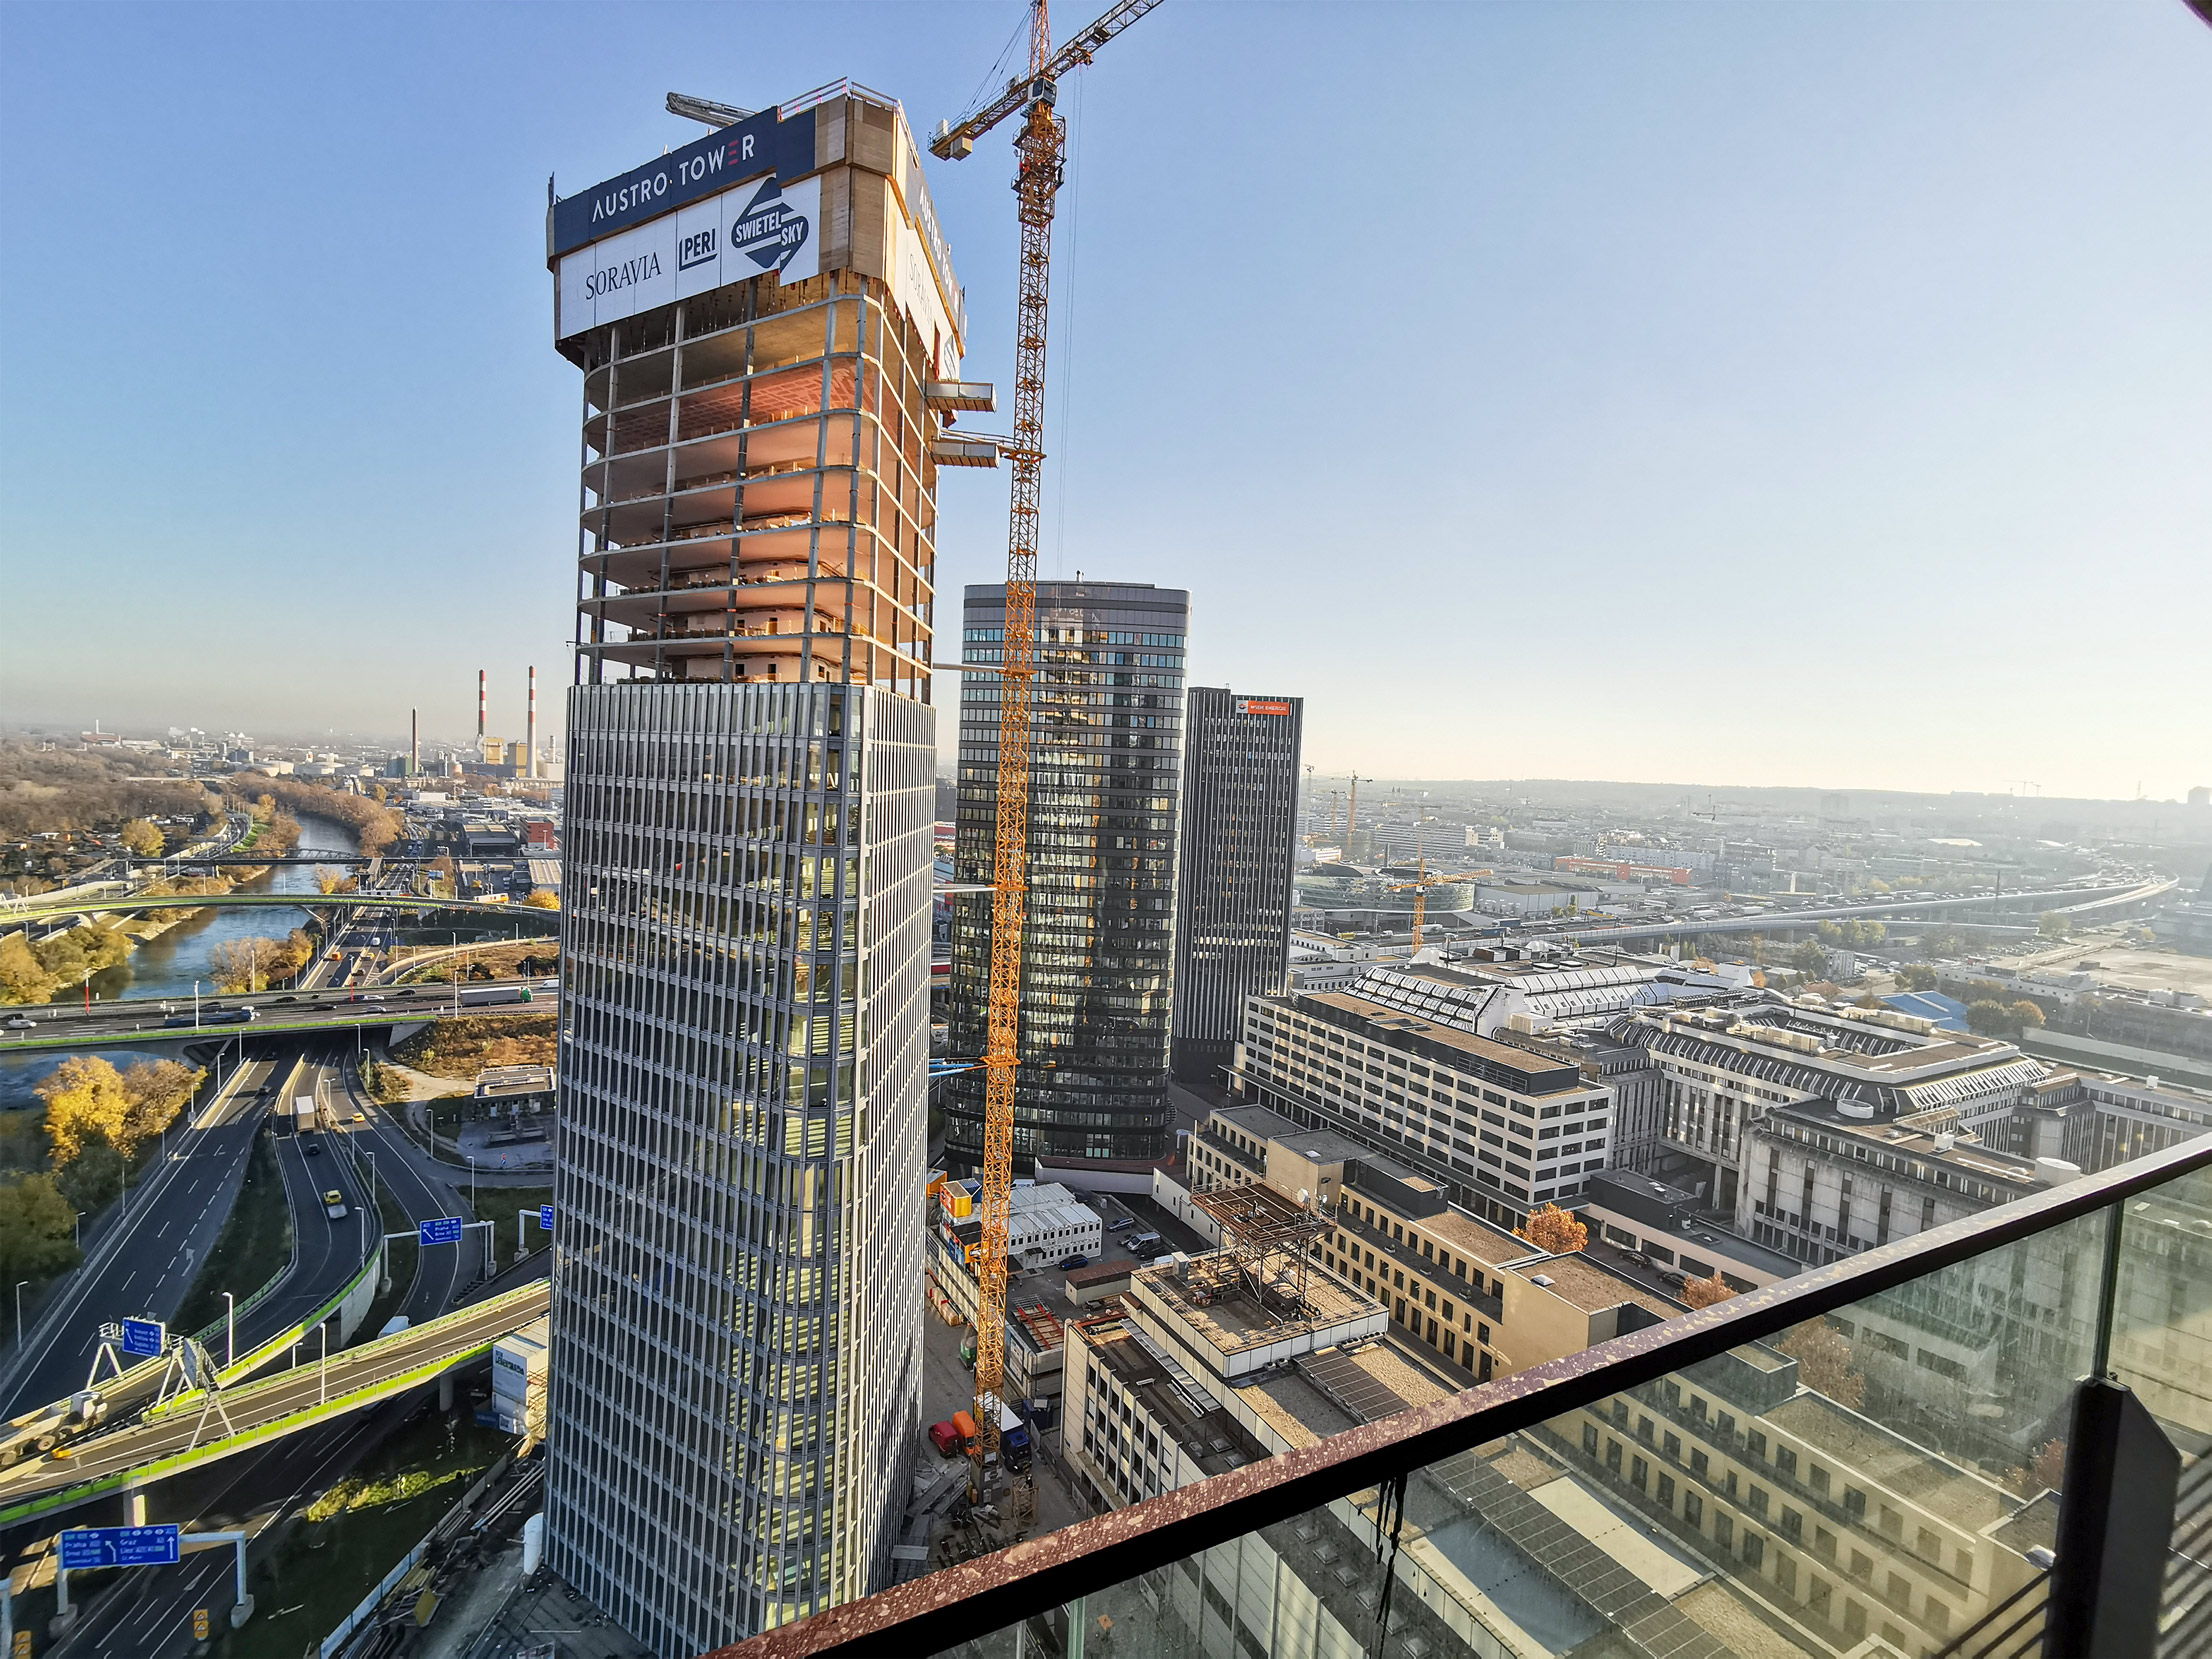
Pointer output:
x,y
1038,149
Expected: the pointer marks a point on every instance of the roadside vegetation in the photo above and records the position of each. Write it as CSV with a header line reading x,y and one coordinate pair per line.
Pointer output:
x,y
258,963
254,1246
99,1122
334,1552
521,959
399,1262
460,1048
502,1206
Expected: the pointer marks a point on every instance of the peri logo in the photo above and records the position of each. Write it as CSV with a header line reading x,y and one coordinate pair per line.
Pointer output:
x,y
770,232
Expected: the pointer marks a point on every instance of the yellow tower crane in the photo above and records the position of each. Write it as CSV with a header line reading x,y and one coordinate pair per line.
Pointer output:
x,y
1038,149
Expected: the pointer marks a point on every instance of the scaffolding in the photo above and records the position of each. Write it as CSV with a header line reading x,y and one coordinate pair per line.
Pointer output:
x,y
1268,1241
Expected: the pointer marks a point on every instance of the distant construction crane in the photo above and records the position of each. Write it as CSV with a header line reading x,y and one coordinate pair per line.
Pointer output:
x,y
1038,150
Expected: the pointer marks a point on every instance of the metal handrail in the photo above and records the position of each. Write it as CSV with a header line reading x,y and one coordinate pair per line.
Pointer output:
x,y
962,1601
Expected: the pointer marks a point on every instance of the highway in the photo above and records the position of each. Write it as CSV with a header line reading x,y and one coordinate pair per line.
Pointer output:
x,y
285,1401
39,909
2073,901
144,1263
145,1020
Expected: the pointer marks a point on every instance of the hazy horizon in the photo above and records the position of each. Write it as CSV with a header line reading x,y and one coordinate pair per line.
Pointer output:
x,y
1778,395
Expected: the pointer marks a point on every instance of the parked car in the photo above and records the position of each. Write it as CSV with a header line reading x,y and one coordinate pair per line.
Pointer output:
x,y
1123,1225
1075,1261
945,1438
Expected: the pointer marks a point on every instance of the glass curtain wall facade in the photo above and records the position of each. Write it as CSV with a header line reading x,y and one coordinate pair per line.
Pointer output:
x,y
1232,921
734,1404
1097,954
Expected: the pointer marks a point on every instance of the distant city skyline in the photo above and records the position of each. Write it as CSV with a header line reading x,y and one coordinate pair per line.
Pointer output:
x,y
1793,397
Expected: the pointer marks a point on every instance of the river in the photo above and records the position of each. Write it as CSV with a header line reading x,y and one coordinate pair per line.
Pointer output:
x,y
168,965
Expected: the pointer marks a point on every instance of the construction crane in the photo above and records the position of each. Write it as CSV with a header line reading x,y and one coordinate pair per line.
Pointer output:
x,y
1038,149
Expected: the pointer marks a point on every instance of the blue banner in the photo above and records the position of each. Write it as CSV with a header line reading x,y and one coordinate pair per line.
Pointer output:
x,y
758,144
90,1547
445,1230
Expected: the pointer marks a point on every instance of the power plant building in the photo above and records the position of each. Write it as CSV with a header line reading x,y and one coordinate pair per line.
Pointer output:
x,y
1232,918
769,333
1098,941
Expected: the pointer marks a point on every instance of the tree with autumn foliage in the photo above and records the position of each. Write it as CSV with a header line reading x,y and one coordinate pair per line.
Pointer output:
x,y
1823,1358
542,898
1703,1293
1554,1229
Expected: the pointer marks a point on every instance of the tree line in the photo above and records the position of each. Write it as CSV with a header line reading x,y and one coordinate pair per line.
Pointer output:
x,y
96,1120
374,825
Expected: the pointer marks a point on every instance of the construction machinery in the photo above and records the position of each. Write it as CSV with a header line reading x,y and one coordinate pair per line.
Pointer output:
x,y
1038,150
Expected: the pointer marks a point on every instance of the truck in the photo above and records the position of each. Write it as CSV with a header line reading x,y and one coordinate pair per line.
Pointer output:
x,y
478,994
519,1366
1013,1438
303,1113
41,1431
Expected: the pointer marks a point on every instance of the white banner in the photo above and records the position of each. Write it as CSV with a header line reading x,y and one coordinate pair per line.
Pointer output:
x,y
727,238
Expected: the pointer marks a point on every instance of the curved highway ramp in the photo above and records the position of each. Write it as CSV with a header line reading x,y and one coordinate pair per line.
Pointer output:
x,y
309,1393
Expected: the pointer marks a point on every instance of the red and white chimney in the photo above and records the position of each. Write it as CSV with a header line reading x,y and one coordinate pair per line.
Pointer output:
x,y
480,711
531,729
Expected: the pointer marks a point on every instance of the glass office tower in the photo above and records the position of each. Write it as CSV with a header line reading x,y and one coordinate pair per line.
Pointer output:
x,y
733,1399
1097,950
1232,918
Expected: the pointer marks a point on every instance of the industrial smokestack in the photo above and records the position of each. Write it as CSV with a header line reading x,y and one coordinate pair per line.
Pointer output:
x,y
479,710
414,743
531,729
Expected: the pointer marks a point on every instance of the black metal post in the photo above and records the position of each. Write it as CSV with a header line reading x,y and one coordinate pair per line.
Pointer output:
x,y
2115,1527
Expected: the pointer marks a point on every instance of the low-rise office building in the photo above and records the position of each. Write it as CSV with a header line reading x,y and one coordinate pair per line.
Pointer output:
x,y
1725,1511
1722,1069
1476,1297
1501,1129
1666,1226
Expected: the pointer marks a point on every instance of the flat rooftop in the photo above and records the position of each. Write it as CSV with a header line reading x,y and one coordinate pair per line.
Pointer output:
x,y
1208,1435
1891,1461
1210,1299
1536,1073
1594,1288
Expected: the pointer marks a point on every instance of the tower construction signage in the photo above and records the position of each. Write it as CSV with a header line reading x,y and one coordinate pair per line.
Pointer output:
x,y
748,231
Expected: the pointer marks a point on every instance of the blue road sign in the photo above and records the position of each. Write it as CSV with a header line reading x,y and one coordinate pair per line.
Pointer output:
x,y
445,1230
143,1337
545,1217
89,1547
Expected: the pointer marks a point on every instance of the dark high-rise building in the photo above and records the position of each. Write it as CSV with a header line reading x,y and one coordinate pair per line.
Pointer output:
x,y
1232,912
1106,767
767,326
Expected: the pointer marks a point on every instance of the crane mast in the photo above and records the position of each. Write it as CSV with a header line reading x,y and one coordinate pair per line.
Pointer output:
x,y
1038,150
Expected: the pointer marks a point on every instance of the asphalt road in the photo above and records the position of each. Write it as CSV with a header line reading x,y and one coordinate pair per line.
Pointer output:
x,y
148,1018
146,1261
312,1382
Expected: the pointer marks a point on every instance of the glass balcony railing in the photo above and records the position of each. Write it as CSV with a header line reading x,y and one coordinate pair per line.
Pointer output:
x,y
1984,1441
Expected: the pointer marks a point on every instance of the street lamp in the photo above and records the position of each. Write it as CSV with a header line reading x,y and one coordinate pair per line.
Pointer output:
x,y
19,1284
322,1372
195,1005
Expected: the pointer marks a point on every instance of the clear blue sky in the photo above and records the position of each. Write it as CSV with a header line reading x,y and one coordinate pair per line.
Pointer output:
x,y
1738,394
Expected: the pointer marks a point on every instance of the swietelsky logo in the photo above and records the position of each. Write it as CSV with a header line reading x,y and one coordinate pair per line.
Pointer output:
x,y
770,232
